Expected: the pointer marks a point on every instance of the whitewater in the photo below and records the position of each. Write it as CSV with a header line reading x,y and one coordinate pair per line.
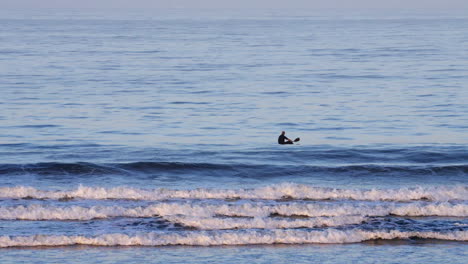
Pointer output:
x,y
227,238
279,191
284,213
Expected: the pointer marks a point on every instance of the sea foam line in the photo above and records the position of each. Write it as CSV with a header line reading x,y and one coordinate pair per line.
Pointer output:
x,y
215,238
264,222
250,209
271,192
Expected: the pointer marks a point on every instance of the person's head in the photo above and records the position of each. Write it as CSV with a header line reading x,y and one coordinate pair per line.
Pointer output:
x,y
282,133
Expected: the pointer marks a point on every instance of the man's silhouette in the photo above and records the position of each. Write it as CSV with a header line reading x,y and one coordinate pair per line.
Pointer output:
x,y
283,140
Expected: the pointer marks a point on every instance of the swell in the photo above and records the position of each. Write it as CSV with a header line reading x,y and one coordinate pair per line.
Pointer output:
x,y
282,191
83,168
382,154
112,168
222,237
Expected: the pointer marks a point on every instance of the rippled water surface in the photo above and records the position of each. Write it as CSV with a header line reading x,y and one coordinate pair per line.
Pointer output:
x,y
159,127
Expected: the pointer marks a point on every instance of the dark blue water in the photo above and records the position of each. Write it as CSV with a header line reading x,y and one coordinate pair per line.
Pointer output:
x,y
214,166
159,128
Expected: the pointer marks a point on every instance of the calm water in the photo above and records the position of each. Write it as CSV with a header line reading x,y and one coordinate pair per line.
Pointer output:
x,y
158,128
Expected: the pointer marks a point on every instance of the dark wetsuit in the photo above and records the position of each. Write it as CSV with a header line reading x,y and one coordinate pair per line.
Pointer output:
x,y
282,139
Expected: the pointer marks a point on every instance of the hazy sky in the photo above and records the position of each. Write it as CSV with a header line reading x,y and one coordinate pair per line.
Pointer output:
x,y
237,3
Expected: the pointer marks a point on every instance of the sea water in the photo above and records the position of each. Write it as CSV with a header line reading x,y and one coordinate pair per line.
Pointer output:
x,y
131,136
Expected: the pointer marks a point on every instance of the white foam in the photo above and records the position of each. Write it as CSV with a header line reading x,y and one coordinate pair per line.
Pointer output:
x,y
214,238
277,191
264,223
247,209
433,209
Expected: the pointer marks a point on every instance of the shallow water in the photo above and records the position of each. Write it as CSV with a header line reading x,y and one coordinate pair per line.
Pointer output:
x,y
394,252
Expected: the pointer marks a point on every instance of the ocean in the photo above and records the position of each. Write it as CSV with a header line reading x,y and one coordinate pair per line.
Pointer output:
x,y
130,136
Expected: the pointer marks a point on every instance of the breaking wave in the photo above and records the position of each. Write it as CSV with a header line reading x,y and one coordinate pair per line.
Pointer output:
x,y
209,223
250,209
271,192
226,237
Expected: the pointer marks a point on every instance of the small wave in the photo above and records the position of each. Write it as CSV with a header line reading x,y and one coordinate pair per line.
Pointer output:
x,y
251,209
254,170
52,168
271,192
220,237
141,166
413,169
56,168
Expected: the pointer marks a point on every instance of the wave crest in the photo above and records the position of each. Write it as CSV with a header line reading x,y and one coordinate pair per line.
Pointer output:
x,y
271,192
216,238
251,209
84,168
